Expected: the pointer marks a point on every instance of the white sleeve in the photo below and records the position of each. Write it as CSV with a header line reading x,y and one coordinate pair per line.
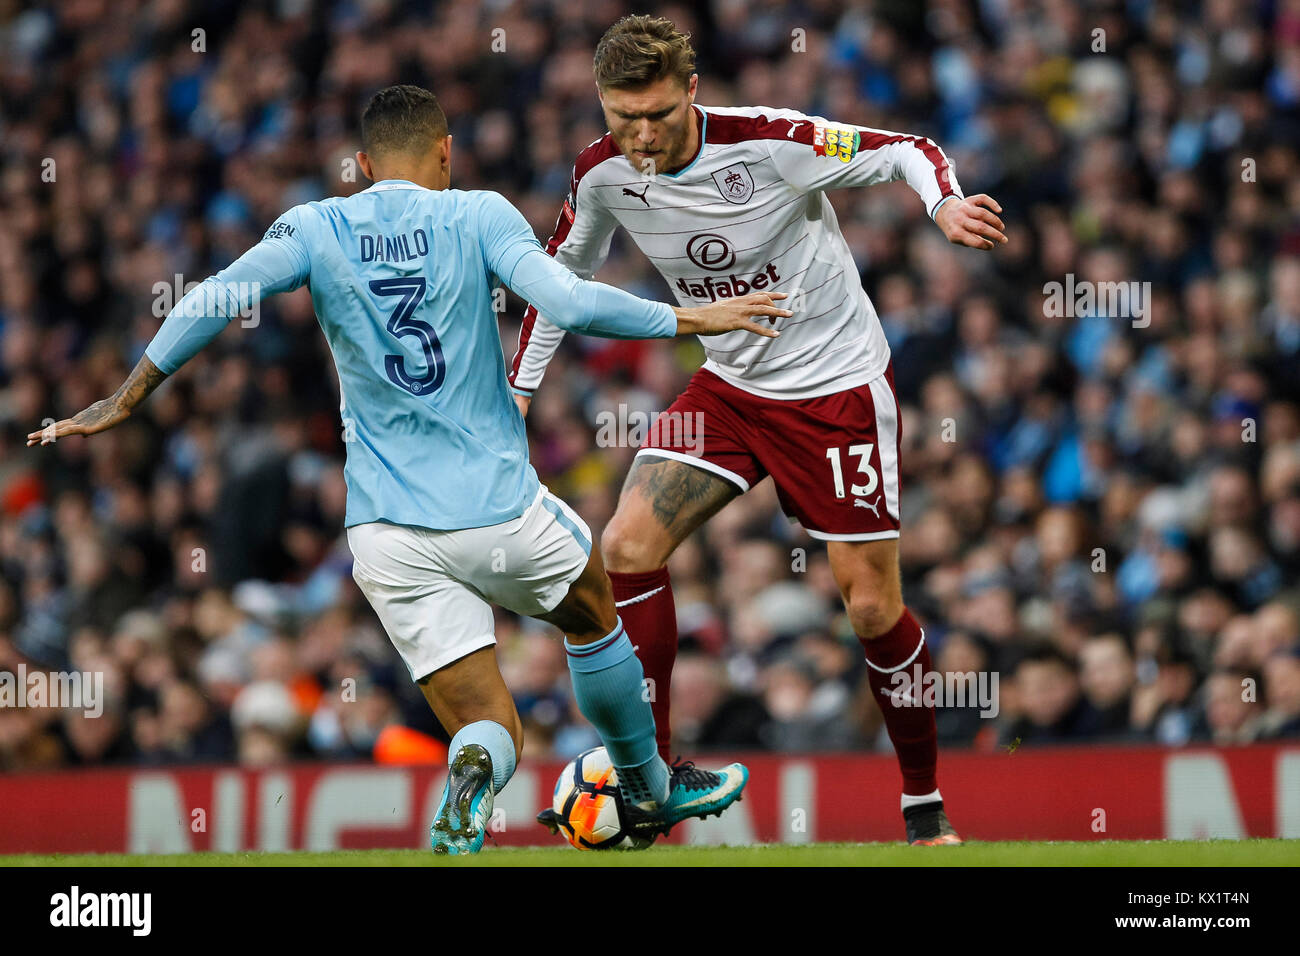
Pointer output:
x,y
581,244
818,154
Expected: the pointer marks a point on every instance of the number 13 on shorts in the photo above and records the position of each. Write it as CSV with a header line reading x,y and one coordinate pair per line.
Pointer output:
x,y
863,453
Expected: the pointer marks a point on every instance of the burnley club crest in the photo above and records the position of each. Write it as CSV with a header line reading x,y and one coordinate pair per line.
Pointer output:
x,y
735,183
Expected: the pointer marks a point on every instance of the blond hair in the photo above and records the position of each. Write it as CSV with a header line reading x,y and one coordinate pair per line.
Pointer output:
x,y
638,50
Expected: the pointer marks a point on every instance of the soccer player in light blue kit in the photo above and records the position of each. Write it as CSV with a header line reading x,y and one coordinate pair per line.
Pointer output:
x,y
444,512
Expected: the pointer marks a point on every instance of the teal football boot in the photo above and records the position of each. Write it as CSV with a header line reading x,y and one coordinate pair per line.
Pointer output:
x,y
691,793
460,825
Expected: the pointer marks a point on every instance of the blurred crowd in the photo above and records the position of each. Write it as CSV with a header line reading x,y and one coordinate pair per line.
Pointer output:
x,y
1105,513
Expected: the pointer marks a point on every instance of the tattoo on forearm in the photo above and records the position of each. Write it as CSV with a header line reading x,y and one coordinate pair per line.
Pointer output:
x,y
143,379
682,496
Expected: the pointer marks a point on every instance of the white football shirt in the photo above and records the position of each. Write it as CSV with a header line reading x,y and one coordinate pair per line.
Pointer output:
x,y
747,214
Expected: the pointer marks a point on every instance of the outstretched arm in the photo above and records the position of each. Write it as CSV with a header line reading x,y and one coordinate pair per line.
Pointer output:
x,y
106,412
512,252
278,263
818,154
603,310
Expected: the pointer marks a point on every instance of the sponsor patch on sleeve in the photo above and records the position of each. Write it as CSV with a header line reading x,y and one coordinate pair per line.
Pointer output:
x,y
279,230
837,142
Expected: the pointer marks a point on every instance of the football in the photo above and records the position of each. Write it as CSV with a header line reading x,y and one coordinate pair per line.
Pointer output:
x,y
588,805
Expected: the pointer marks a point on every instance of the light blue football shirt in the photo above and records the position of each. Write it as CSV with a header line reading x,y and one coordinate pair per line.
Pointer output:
x,y
402,279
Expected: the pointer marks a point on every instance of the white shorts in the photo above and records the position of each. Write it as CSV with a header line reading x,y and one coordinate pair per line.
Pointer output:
x,y
433,590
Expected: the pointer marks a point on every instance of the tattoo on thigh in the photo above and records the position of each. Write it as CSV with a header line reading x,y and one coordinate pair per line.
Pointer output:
x,y
682,495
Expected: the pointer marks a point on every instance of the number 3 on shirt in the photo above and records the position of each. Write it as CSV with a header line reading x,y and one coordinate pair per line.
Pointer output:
x,y
411,290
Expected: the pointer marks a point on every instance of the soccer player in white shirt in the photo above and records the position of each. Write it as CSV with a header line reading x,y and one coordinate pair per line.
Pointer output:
x,y
724,202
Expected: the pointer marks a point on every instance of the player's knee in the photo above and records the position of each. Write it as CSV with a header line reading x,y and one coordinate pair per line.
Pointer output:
x,y
627,552
873,613
587,612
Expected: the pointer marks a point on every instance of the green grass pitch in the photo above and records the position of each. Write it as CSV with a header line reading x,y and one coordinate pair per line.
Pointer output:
x,y
1093,853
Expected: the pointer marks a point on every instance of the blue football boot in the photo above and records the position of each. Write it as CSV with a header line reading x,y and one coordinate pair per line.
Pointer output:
x,y
691,793
460,825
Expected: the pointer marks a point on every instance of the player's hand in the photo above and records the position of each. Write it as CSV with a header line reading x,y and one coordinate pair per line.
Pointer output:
x,y
106,412
731,314
972,222
99,417
522,402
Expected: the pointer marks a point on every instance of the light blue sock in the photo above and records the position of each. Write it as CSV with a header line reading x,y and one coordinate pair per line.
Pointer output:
x,y
607,682
493,738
